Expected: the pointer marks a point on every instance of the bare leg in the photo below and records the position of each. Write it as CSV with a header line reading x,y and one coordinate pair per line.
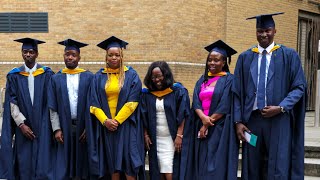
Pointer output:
x,y
168,176
115,176
130,177
162,177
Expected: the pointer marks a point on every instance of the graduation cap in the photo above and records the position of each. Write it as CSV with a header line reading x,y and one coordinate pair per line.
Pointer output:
x,y
222,48
29,43
72,44
265,21
112,42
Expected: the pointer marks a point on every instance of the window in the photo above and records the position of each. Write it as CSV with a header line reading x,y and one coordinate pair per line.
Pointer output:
x,y
23,22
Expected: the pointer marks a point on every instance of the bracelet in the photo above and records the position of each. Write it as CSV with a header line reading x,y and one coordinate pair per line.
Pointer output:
x,y
180,136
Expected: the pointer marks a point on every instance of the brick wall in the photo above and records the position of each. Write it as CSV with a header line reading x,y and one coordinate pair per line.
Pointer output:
x,y
167,30
186,74
174,31
241,32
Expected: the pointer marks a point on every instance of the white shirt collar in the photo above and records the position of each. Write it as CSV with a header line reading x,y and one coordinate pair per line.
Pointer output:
x,y
268,49
32,69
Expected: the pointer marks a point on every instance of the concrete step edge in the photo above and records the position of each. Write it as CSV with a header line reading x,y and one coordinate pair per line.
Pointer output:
x,y
306,160
315,161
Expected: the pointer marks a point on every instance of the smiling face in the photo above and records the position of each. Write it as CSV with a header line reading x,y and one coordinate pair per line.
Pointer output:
x,y
113,57
265,36
157,78
215,62
71,58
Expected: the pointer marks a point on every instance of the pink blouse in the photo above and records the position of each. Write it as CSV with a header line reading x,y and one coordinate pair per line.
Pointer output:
x,y
206,93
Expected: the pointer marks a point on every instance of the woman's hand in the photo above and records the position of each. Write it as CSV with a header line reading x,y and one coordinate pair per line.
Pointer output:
x,y
111,124
207,121
147,142
178,143
83,137
203,132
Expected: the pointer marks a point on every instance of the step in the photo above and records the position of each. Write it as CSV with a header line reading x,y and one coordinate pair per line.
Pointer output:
x,y
311,166
305,177
312,169
311,178
312,151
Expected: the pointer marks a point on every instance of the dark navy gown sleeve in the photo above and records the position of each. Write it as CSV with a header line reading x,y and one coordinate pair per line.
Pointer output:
x,y
196,103
8,130
92,131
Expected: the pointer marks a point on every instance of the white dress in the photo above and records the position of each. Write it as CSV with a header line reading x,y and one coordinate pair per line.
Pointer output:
x,y
165,145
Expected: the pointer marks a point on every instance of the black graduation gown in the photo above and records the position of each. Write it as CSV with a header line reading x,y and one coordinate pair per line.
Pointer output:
x,y
216,156
122,150
285,86
177,109
71,156
27,159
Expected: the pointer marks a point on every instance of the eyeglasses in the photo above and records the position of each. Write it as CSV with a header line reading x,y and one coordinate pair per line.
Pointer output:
x,y
156,77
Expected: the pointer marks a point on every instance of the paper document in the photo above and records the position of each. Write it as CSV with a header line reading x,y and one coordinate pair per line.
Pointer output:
x,y
251,138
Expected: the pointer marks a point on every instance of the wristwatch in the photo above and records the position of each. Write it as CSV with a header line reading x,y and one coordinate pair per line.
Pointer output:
x,y
282,109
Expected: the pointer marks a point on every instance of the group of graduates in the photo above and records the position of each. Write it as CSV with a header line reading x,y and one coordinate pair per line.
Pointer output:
x,y
74,124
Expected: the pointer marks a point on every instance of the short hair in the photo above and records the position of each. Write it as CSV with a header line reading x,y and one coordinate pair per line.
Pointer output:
x,y
166,72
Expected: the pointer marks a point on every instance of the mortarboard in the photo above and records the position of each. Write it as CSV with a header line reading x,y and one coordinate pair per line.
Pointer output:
x,y
265,20
221,47
72,44
29,43
112,42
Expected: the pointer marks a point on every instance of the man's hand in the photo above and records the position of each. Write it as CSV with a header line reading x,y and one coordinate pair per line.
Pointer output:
x,y
111,124
58,135
240,128
26,131
83,137
270,111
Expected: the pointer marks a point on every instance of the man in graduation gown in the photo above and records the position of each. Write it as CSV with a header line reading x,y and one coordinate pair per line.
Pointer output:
x,y
26,116
67,95
269,102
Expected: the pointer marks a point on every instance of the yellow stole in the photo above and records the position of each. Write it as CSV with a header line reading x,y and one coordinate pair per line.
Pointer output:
x,y
114,71
72,71
34,73
222,73
162,93
275,47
